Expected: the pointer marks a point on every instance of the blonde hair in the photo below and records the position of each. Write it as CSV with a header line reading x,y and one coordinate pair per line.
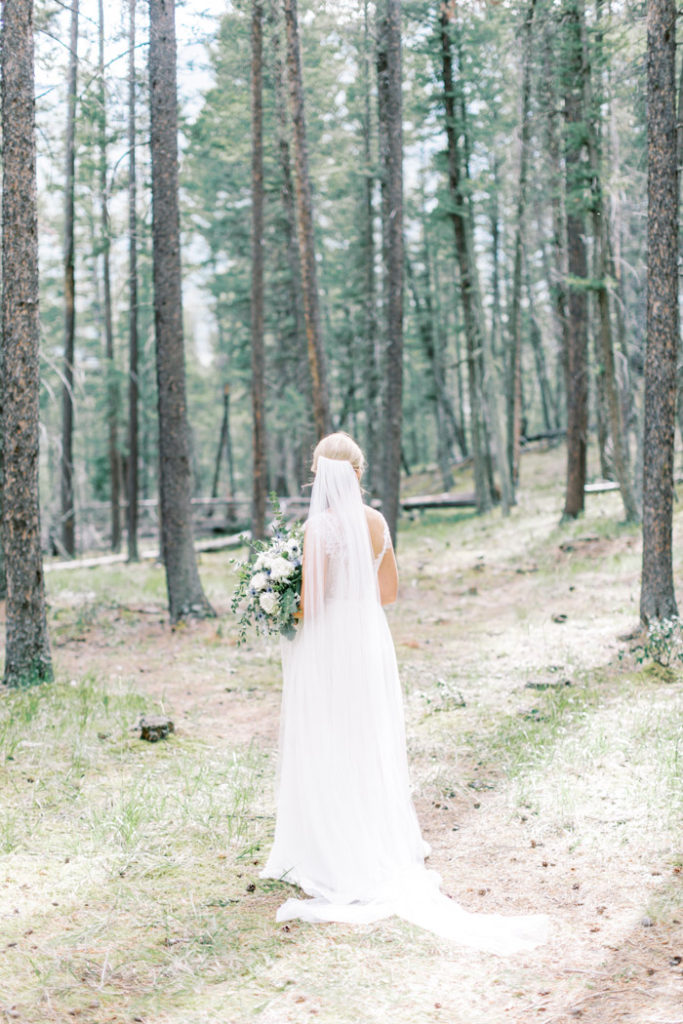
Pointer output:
x,y
339,446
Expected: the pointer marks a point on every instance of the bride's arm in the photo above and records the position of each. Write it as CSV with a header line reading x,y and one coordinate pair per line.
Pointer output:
x,y
387,577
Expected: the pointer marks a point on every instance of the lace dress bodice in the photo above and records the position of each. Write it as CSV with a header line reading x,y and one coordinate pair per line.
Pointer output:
x,y
327,526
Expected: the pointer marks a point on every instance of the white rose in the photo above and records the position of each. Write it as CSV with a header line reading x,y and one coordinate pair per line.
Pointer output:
x,y
258,581
268,602
260,562
281,569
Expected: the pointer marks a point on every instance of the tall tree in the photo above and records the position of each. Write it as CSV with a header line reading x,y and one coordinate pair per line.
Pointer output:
x,y
27,648
132,468
481,386
602,260
574,71
260,471
185,594
112,386
657,596
514,390
556,265
304,208
389,106
67,461
296,347
371,339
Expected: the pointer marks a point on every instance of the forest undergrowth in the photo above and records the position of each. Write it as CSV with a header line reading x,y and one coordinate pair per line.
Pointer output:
x,y
547,765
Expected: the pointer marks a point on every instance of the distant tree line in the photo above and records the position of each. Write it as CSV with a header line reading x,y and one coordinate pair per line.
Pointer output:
x,y
422,225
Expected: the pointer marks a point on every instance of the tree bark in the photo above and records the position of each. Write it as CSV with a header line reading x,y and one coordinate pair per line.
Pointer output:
x,y
556,266
27,647
514,390
577,333
479,357
390,119
426,331
536,339
606,346
657,596
185,595
454,419
304,206
112,387
371,339
679,163
67,463
298,341
259,466
132,467
222,441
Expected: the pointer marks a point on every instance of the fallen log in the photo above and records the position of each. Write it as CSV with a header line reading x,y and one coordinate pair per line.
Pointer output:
x,y
445,500
235,540
601,486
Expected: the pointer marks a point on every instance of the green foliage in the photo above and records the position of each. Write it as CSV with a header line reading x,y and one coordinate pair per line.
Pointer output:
x,y
663,643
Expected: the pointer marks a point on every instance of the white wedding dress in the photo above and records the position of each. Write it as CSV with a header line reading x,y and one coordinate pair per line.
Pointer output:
x,y
346,830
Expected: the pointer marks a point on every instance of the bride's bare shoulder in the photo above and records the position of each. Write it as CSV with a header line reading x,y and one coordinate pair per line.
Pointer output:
x,y
373,515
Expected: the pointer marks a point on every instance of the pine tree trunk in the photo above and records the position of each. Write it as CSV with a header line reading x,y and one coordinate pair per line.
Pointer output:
x,y
577,334
185,594
426,331
258,388
536,339
461,432
600,396
112,388
371,340
479,357
27,646
606,347
298,340
222,440
514,392
657,596
67,462
458,217
496,312
390,120
679,161
3,572
132,467
556,265
454,419
304,206
225,345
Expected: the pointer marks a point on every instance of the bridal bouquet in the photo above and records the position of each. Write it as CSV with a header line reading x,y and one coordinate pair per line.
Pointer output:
x,y
268,590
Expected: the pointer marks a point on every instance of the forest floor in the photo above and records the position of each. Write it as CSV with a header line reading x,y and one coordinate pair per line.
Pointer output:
x,y
547,765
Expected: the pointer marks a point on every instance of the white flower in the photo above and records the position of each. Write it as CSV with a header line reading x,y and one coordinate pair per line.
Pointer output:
x,y
280,569
293,547
268,602
260,562
258,581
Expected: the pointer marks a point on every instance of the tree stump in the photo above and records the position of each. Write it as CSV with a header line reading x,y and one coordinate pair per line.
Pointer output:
x,y
155,727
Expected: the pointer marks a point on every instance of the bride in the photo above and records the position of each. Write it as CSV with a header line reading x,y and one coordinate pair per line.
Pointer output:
x,y
346,830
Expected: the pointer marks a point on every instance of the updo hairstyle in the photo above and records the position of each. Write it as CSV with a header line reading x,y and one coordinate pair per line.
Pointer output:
x,y
340,446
